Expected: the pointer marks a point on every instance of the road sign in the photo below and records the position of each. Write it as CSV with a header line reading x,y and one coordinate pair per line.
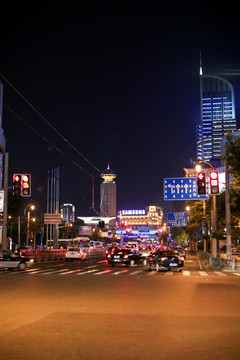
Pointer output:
x,y
182,189
52,219
177,219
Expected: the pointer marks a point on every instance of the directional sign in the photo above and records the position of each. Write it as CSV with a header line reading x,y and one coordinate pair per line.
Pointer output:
x,y
177,219
182,189
52,218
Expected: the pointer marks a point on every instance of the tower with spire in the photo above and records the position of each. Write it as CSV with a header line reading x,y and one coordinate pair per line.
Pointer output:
x,y
108,194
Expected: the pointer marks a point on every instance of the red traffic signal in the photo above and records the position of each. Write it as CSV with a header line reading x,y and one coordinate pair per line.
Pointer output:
x,y
17,184
26,185
201,183
214,182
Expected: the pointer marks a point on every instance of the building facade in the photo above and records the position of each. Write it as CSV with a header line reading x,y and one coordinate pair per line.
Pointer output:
x,y
68,213
144,223
217,115
108,194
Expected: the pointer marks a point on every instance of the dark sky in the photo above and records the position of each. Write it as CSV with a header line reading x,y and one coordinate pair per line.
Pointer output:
x,y
120,83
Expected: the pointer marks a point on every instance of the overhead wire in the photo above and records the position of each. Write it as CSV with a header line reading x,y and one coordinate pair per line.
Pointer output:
x,y
49,124
55,147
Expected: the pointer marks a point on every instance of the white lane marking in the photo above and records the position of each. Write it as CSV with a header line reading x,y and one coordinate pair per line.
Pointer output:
x,y
135,272
86,272
103,272
169,273
68,272
203,273
53,272
151,273
186,273
119,272
102,261
238,274
219,273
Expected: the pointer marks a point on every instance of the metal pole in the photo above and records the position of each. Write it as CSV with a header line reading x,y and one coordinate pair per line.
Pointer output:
x,y
27,236
228,214
5,203
19,231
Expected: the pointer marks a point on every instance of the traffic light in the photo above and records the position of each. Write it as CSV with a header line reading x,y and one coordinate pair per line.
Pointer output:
x,y
214,182
17,184
26,185
201,183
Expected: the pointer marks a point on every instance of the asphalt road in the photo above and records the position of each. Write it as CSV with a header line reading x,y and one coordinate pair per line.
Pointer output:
x,y
126,316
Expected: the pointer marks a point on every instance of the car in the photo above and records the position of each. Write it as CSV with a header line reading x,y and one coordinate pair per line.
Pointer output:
x,y
128,257
181,252
10,261
165,260
75,253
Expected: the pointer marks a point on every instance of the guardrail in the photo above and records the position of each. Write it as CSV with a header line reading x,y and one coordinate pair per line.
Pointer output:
x,y
58,254
220,262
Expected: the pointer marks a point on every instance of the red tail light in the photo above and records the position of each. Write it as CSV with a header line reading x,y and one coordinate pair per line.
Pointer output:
x,y
164,258
125,256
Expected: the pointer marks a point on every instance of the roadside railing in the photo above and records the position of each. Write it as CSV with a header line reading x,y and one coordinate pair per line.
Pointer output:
x,y
220,262
57,254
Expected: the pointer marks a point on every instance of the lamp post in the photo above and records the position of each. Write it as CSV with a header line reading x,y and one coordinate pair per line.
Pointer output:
x,y
28,221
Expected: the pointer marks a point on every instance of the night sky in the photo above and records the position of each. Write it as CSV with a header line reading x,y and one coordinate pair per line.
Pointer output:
x,y
120,83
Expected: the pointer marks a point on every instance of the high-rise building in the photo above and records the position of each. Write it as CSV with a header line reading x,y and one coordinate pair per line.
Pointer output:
x,y
217,115
108,193
68,213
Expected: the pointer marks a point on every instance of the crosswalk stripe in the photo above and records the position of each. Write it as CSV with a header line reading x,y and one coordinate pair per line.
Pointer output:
x,y
203,273
220,273
169,273
53,272
86,272
238,274
68,272
151,273
186,273
135,272
103,272
119,272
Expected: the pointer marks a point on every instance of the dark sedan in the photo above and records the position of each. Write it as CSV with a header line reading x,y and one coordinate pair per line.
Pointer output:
x,y
165,260
15,262
128,257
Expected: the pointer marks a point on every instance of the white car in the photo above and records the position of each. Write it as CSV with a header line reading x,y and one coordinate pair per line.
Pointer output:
x,y
15,262
78,254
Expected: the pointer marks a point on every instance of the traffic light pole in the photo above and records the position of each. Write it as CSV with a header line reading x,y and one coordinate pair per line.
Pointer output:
x,y
214,225
5,203
228,213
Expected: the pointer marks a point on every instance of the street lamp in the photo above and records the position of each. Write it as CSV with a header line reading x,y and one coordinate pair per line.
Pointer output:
x,y
32,207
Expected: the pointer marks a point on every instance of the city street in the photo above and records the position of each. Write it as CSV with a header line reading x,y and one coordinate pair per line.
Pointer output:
x,y
119,313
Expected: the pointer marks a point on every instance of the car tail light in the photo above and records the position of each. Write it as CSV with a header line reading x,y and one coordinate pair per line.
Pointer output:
x,y
125,256
181,258
164,258
109,256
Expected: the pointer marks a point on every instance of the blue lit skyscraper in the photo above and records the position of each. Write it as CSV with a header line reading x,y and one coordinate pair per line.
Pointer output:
x,y
217,115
